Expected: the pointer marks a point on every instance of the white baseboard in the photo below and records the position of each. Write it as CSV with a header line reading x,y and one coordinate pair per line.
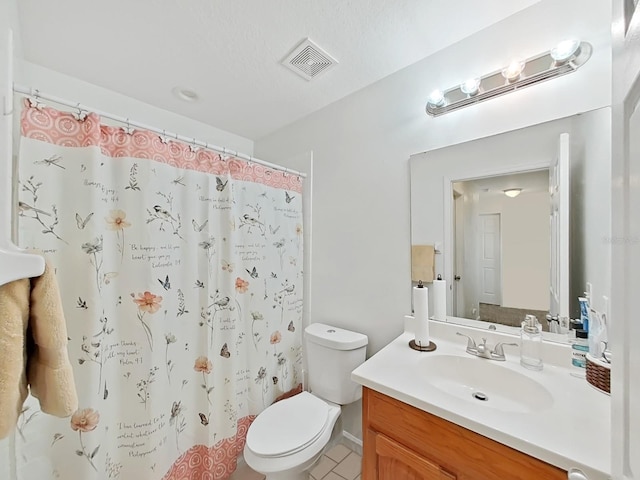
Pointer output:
x,y
353,442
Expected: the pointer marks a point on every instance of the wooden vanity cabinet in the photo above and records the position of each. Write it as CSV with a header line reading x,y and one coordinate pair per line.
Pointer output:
x,y
402,442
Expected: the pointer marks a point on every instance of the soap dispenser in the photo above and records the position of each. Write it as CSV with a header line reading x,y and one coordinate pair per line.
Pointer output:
x,y
531,343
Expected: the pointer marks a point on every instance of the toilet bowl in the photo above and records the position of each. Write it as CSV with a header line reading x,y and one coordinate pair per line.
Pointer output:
x,y
288,437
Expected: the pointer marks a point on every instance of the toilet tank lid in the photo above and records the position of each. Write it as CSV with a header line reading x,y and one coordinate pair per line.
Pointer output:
x,y
334,337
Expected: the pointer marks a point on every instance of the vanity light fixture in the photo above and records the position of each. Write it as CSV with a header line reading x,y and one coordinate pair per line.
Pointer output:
x,y
512,192
513,71
436,98
566,57
564,50
471,86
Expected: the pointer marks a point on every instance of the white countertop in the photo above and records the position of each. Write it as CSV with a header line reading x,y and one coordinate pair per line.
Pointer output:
x,y
573,432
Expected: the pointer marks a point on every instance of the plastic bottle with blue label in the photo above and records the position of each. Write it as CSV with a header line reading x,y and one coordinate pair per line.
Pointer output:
x,y
579,350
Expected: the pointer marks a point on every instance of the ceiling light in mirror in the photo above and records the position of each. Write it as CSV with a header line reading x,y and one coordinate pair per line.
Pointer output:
x,y
513,192
565,50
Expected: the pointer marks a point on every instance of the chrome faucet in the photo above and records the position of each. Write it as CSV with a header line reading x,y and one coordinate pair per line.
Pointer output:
x,y
483,351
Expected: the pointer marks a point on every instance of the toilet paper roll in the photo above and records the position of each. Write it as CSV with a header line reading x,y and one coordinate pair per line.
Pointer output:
x,y
439,298
421,315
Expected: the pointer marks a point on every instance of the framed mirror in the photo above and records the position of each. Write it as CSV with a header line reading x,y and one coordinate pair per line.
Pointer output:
x,y
463,186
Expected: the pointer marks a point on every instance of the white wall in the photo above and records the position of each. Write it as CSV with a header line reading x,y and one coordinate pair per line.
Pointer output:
x,y
361,237
525,247
9,20
361,143
591,216
73,89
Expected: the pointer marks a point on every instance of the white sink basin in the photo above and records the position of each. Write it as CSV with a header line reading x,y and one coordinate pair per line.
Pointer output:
x,y
485,383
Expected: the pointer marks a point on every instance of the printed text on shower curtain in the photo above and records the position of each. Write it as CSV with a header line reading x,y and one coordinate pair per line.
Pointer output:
x,y
181,277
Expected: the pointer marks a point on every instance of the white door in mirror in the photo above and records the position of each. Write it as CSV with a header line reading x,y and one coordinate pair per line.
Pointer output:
x,y
576,474
559,222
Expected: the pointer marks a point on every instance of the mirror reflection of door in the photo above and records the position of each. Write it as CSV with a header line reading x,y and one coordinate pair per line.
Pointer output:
x,y
490,256
458,253
559,221
502,248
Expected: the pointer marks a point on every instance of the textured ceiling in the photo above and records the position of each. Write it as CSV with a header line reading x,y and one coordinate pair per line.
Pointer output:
x,y
229,52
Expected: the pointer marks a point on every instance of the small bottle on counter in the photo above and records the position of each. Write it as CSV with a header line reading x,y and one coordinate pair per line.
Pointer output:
x,y
579,350
531,343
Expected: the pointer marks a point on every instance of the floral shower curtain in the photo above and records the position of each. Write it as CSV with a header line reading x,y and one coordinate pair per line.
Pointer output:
x,y
181,277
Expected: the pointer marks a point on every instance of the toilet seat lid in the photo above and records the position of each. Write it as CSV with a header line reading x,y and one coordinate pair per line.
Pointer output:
x,y
288,425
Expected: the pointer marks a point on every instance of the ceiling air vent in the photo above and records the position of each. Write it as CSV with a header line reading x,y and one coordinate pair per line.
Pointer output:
x,y
308,60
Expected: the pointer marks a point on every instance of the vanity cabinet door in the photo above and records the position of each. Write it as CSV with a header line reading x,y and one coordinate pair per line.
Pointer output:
x,y
395,461
402,442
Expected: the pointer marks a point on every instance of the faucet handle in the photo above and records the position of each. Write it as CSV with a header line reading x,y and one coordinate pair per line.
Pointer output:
x,y
471,343
498,350
482,348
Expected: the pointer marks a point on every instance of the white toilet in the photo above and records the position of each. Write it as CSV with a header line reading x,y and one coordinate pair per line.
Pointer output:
x,y
287,438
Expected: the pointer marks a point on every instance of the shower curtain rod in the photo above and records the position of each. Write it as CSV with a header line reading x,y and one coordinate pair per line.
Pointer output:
x,y
83,108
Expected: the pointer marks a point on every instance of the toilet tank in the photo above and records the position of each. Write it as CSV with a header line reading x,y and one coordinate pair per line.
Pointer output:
x,y
332,354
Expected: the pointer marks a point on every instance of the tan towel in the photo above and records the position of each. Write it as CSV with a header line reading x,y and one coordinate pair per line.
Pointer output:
x,y
33,350
423,263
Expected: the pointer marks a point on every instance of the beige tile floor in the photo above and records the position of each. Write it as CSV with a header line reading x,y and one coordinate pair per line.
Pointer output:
x,y
338,463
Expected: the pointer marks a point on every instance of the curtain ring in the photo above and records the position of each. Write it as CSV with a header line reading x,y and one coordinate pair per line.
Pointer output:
x,y
34,102
81,116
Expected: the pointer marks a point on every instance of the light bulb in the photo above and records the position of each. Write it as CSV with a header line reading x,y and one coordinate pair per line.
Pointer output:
x,y
565,50
471,86
513,71
436,98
